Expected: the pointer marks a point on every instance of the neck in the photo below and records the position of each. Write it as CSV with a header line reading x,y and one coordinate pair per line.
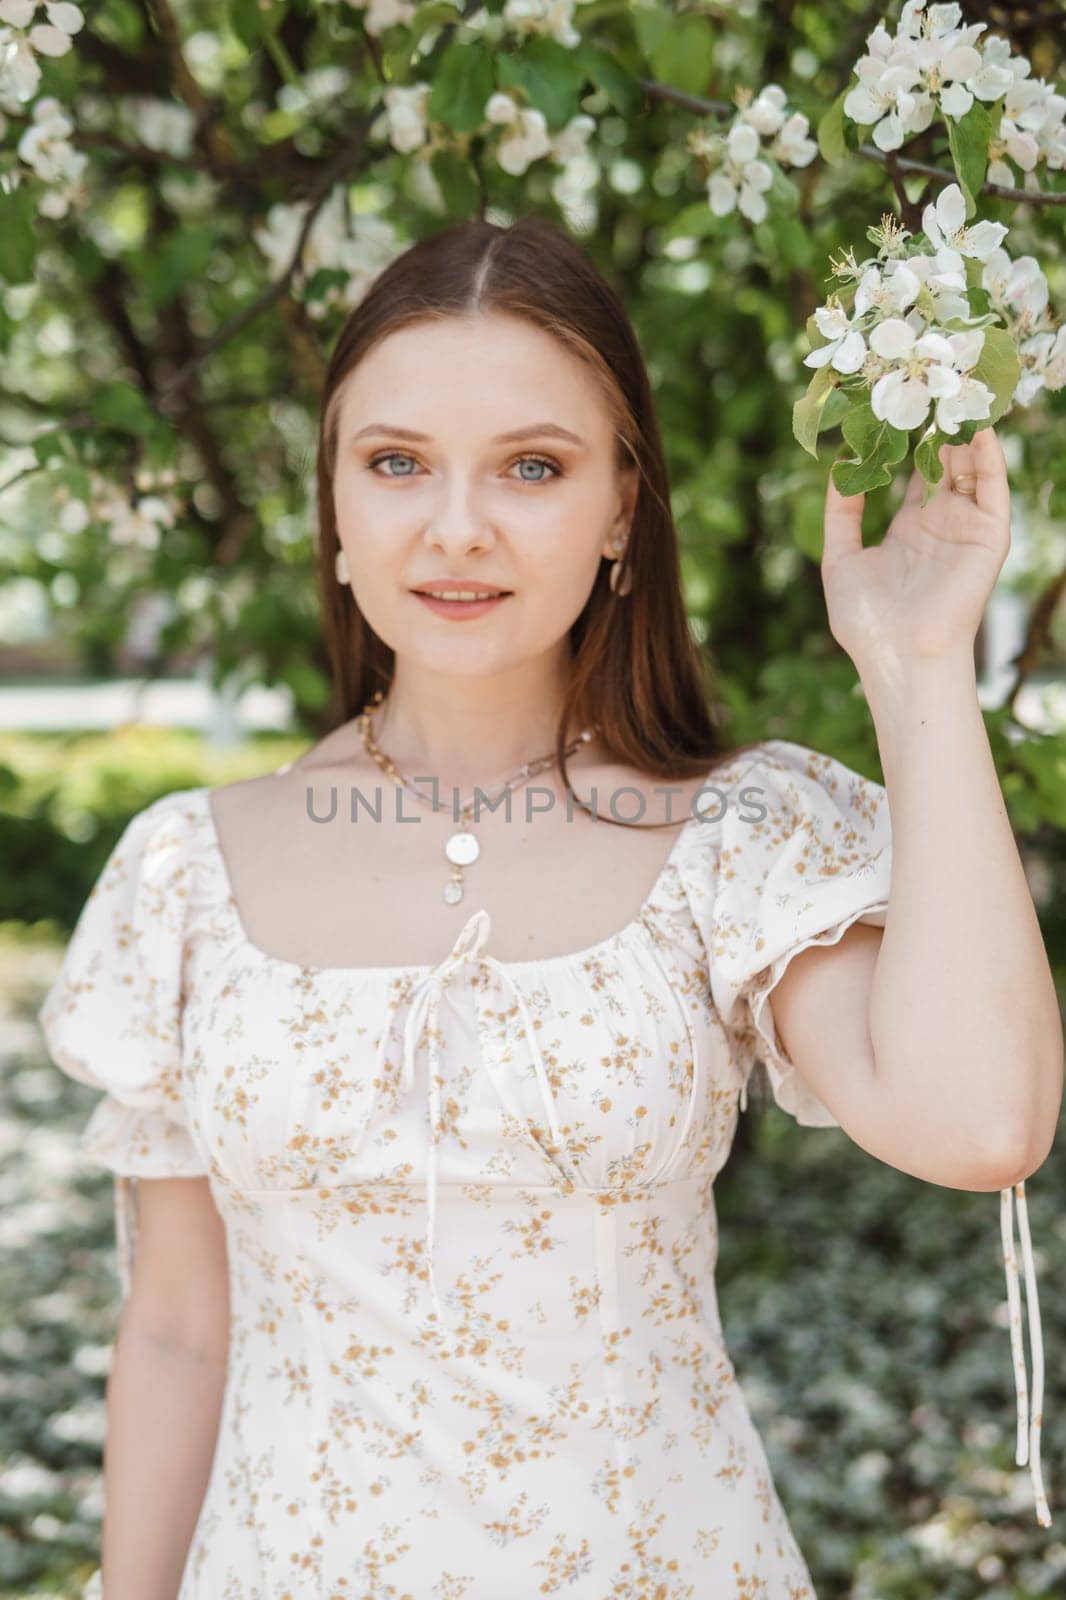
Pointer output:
x,y
468,731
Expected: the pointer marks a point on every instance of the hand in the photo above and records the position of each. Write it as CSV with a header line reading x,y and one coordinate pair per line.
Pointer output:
x,y
921,593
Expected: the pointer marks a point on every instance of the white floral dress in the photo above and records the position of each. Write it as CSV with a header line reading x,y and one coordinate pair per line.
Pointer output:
x,y
475,1343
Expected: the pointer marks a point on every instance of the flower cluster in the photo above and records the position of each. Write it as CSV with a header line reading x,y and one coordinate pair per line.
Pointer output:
x,y
380,15
1018,291
46,150
912,333
359,247
139,521
23,39
932,63
743,173
552,17
1032,127
527,137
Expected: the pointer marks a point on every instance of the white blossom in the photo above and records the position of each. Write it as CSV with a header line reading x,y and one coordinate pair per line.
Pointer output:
x,y
933,63
571,142
886,291
406,115
551,17
160,124
766,112
527,137
384,14
140,524
1043,358
845,350
1015,142
1015,287
929,369
743,178
945,226
943,275
22,40
359,246
792,146
45,148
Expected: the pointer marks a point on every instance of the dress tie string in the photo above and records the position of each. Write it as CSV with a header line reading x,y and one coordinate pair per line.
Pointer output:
x,y
1027,1447
423,1015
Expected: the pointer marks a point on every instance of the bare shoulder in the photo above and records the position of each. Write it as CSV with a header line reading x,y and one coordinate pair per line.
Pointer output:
x,y
247,799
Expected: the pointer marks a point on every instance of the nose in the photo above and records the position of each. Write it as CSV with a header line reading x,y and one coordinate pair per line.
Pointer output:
x,y
457,522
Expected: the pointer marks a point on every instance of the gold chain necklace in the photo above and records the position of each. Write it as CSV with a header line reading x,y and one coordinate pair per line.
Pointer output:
x,y
463,847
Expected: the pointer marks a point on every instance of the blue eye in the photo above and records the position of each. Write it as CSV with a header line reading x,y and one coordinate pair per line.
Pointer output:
x,y
403,455
540,461
391,456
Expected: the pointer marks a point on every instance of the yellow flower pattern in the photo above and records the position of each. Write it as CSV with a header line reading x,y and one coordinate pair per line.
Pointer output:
x,y
475,1341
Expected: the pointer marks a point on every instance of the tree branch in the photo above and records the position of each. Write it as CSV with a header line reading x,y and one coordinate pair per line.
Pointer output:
x,y
1037,636
333,171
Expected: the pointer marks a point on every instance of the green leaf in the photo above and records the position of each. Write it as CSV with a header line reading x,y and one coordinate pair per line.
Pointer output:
x,y
794,240
684,55
17,254
968,138
51,446
180,259
1000,368
693,221
928,462
121,406
549,75
462,84
806,413
458,183
861,428
782,195
878,447
830,133
974,270
652,24
621,90
836,408
245,20
431,14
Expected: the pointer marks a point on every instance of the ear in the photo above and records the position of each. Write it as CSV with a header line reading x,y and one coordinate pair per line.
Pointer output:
x,y
629,488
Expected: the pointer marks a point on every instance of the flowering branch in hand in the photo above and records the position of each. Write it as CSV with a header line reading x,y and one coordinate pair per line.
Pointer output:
x,y
939,332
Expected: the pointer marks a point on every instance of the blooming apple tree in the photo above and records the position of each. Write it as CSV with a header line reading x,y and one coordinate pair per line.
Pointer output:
x,y
193,195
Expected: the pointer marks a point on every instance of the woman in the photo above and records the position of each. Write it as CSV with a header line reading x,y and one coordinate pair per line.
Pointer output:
x,y
422,1301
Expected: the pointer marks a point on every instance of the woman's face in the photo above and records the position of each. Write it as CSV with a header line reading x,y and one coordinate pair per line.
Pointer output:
x,y
533,515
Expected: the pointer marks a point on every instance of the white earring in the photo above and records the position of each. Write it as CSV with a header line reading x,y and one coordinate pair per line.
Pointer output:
x,y
620,585
340,566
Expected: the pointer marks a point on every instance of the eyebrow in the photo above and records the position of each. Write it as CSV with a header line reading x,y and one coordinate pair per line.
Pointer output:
x,y
535,430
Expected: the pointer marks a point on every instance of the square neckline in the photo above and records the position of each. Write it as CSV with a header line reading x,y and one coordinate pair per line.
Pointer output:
x,y
630,930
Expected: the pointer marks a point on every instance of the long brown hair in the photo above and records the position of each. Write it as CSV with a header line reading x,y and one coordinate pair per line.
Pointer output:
x,y
638,674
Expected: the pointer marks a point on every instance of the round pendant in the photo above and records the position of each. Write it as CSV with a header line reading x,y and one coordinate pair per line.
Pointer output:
x,y
462,848
453,893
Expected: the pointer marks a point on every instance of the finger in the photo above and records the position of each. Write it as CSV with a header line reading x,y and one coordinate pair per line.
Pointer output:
x,y
915,489
978,471
989,464
843,522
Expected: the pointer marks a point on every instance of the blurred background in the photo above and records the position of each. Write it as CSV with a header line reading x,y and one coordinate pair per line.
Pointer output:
x,y
192,197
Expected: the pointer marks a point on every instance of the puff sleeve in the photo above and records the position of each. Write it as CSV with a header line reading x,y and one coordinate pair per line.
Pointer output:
x,y
806,850
112,1018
